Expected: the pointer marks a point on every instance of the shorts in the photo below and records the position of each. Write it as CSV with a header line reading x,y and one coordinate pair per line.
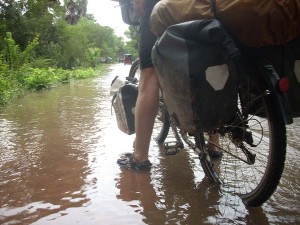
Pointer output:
x,y
147,38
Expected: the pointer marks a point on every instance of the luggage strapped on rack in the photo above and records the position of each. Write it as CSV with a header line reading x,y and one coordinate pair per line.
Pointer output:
x,y
198,77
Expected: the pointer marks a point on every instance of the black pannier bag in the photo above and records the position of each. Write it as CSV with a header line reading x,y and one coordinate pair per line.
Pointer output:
x,y
123,102
198,78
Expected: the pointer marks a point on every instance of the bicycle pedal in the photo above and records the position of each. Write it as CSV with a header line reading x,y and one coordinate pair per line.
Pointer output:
x,y
172,148
172,151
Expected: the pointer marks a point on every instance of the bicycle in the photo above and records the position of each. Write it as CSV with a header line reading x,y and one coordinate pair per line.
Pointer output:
x,y
254,145
253,142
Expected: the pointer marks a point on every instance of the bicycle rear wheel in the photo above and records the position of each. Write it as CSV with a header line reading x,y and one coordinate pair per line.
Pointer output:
x,y
254,146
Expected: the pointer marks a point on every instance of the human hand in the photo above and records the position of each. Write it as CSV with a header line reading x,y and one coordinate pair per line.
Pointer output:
x,y
138,6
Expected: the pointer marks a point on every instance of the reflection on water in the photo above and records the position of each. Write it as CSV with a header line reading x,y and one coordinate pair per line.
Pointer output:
x,y
58,166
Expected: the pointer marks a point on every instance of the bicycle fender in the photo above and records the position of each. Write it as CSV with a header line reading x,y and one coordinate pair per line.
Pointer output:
x,y
271,78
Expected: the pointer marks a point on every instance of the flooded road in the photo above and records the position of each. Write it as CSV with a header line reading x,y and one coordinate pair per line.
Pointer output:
x,y
58,152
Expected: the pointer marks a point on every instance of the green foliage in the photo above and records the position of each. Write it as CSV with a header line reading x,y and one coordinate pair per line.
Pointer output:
x,y
74,10
132,45
5,91
93,56
83,73
37,79
9,87
59,44
40,63
39,49
64,75
81,44
13,56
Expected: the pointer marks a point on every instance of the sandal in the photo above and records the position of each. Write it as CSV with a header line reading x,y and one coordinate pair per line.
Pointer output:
x,y
127,161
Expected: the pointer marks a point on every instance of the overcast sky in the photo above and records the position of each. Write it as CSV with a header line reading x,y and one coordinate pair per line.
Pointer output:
x,y
108,13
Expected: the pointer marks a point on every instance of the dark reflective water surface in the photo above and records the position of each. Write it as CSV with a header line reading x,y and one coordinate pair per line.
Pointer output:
x,y
58,152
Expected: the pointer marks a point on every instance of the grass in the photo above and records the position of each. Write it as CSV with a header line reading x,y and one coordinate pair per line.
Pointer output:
x,y
15,83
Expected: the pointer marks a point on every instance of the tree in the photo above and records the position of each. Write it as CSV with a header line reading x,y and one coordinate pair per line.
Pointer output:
x,y
75,9
60,44
133,35
10,18
13,56
132,45
27,18
93,56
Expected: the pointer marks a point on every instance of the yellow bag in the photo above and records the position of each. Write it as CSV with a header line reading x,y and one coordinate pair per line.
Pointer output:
x,y
169,12
258,23
255,23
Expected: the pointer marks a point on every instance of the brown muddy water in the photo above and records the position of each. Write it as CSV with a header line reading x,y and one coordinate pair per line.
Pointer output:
x,y
58,152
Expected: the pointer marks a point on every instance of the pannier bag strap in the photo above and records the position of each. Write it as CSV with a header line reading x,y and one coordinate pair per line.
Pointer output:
x,y
229,45
213,6
112,101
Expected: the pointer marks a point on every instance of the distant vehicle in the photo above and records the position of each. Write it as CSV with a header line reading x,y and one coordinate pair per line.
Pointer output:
x,y
127,59
106,60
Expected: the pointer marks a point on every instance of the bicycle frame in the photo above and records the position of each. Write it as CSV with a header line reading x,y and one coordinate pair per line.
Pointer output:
x,y
253,140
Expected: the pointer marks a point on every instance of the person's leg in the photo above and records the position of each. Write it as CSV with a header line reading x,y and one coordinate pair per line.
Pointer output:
x,y
213,146
145,112
213,138
148,97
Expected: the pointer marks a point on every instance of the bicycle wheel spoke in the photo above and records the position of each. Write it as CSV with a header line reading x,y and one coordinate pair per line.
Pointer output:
x,y
253,147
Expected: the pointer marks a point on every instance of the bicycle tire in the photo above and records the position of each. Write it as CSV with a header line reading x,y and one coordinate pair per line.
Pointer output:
x,y
134,71
262,132
162,123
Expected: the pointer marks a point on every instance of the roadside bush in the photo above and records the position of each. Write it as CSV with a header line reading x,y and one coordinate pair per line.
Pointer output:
x,y
14,83
37,79
83,73
64,76
6,85
8,89
4,91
